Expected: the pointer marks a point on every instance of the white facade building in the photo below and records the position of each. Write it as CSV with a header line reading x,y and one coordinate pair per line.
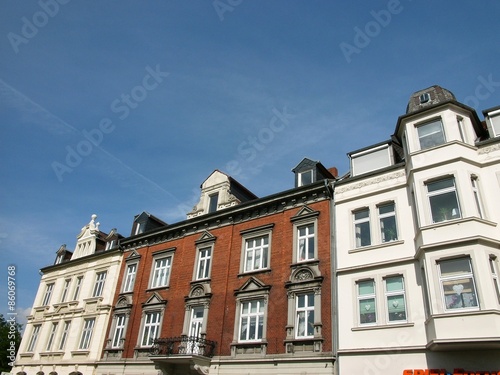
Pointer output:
x,y
66,330
417,244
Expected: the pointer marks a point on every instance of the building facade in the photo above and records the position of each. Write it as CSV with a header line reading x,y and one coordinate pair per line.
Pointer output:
x,y
417,244
65,332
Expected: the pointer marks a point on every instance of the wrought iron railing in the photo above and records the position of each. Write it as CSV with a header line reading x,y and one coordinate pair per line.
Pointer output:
x,y
184,345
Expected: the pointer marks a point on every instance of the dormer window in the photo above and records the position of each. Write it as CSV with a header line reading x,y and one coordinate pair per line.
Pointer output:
x,y
424,98
371,159
494,122
213,201
306,177
138,228
110,244
431,134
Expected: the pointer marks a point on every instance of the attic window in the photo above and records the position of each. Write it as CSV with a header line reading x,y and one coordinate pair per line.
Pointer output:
x,y
138,228
213,201
110,244
305,178
424,98
372,159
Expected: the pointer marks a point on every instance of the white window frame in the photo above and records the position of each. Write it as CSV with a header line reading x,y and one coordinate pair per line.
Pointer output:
x,y
390,294
309,172
302,315
371,160
381,221
65,292
367,297
443,280
256,256
52,336
303,243
150,329
100,280
35,332
213,202
494,275
245,320
160,274
64,334
119,331
421,138
476,192
47,296
456,213
78,287
204,262
130,275
358,222
87,331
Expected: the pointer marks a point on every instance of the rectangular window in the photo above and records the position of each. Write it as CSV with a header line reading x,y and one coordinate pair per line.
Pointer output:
x,y
99,284
203,268
256,253
88,327
305,178
461,129
64,336
48,294
431,134
387,218
78,286
213,201
395,296
457,283
161,272
443,200
306,242
495,124
52,335
116,342
251,320
370,160
34,338
151,328
366,302
64,294
305,315
477,196
362,227
494,275
128,286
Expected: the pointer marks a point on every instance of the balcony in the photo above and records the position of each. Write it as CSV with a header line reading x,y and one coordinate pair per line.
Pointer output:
x,y
185,354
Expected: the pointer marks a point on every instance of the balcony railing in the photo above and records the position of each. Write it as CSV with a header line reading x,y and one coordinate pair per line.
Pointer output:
x,y
184,345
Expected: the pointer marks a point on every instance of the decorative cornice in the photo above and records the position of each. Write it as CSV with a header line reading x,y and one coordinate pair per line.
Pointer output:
x,y
371,181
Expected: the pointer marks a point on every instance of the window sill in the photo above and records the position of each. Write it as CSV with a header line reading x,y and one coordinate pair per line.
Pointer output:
x,y
247,273
311,262
26,355
374,247
152,289
384,326
80,352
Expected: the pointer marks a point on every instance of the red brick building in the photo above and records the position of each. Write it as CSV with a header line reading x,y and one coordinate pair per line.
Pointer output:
x,y
242,286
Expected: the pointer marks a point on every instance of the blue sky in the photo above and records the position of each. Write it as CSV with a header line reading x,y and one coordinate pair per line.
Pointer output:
x,y
119,107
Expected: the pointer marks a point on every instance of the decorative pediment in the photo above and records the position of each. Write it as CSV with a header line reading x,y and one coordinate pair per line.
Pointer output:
x,y
306,274
251,285
133,255
124,302
206,236
154,299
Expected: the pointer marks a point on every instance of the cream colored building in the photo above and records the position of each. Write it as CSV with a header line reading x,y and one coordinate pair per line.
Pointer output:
x,y
417,244
65,332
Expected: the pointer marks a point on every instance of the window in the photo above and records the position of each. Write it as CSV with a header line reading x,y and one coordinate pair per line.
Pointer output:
x,y
33,338
47,295
59,258
305,178
151,328
305,315
110,244
116,342
138,228
64,336
461,129
362,227
306,242
366,302
387,219
52,335
424,98
161,272
494,275
495,123
88,327
431,134
372,159
203,266
64,294
99,284
251,320
213,201
443,200
256,253
395,297
78,286
477,197
457,283
128,285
